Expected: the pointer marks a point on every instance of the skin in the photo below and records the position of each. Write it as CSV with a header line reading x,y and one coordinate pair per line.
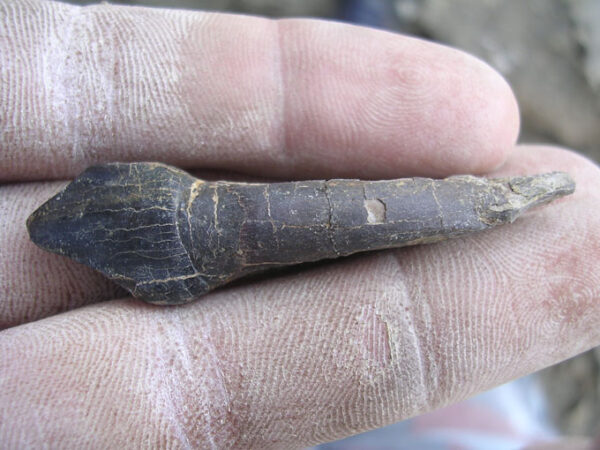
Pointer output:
x,y
300,358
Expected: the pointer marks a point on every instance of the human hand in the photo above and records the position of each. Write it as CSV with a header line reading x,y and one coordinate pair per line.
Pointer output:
x,y
301,358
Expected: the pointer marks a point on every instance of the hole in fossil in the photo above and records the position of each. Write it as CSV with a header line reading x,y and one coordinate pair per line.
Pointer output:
x,y
375,211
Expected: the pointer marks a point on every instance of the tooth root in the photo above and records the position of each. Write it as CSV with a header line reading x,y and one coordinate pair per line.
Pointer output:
x,y
169,237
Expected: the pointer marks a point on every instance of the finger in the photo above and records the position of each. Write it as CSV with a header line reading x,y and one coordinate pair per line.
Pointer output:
x,y
35,283
293,98
322,354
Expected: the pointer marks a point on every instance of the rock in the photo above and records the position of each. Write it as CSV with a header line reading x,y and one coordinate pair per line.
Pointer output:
x,y
535,45
586,16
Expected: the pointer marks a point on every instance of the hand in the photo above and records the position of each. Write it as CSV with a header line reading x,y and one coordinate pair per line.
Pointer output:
x,y
296,359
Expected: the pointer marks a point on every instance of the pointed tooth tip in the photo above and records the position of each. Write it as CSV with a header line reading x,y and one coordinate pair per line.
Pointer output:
x,y
36,229
44,228
33,221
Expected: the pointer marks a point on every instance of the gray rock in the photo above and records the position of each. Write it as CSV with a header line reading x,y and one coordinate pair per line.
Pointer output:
x,y
586,16
535,45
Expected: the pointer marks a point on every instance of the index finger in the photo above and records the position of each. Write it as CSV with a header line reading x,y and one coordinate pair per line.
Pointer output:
x,y
290,98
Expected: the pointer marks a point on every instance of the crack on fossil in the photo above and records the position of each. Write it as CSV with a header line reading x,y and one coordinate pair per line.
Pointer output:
x,y
194,190
437,202
329,225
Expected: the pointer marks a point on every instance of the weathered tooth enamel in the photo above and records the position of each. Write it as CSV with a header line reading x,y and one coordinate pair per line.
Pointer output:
x,y
169,237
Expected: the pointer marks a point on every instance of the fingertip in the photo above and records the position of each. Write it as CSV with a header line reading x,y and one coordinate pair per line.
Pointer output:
x,y
466,117
377,104
494,120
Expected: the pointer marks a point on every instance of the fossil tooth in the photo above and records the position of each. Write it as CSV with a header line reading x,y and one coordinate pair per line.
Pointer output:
x,y
168,237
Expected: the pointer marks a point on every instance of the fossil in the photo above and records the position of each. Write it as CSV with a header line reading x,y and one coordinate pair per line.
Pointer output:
x,y
169,237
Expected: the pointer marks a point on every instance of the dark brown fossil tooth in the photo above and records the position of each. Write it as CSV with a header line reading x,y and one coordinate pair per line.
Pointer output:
x,y
169,237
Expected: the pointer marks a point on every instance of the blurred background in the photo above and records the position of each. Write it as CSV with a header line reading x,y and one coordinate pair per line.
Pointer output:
x,y
549,50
